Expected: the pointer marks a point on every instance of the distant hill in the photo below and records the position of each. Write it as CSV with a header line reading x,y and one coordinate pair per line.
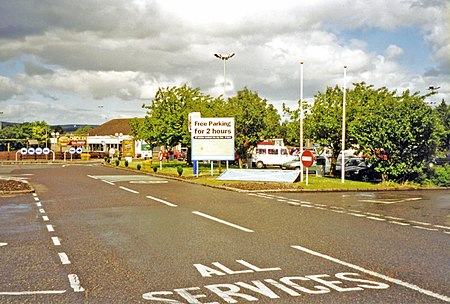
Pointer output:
x,y
70,128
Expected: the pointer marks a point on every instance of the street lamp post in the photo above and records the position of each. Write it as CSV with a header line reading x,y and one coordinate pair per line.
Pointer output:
x,y
343,126
224,59
301,119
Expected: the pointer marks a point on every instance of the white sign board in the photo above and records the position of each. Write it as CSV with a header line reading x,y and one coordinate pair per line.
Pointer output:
x,y
212,138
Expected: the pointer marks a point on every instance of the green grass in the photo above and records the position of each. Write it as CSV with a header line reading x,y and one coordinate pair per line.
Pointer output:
x,y
205,177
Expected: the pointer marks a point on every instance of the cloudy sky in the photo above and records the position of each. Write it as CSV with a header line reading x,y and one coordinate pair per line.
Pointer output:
x,y
85,61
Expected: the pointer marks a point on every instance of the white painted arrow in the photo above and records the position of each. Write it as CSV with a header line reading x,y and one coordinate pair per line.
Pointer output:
x,y
3,244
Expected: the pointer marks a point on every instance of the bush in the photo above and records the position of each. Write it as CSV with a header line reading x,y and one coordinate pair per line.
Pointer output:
x,y
117,162
155,168
126,163
440,175
180,170
138,166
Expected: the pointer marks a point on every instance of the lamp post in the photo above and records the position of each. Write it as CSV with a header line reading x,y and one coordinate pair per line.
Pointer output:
x,y
54,140
343,126
224,58
301,119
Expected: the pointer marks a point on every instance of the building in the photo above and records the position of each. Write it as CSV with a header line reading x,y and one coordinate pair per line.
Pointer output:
x,y
116,135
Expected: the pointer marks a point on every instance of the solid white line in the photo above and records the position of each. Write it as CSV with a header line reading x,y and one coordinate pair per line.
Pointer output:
x,y
129,190
45,218
25,293
395,218
222,221
162,201
92,176
376,274
64,258
50,228
75,283
108,182
56,241
358,214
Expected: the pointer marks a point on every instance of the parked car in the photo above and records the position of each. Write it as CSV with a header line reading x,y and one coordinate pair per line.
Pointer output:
x,y
358,169
296,165
440,161
270,155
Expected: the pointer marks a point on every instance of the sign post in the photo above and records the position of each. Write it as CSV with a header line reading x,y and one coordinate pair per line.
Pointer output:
x,y
212,138
307,158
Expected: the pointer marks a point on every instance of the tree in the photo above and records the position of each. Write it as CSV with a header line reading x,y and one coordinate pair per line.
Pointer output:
x,y
398,133
83,130
20,133
255,120
443,114
166,122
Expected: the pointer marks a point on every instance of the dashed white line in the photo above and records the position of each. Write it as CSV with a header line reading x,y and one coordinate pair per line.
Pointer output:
x,y
108,182
64,258
129,190
440,226
358,214
395,218
420,223
50,228
399,223
41,210
376,274
75,283
39,204
376,218
222,221
161,201
45,218
56,241
294,203
36,199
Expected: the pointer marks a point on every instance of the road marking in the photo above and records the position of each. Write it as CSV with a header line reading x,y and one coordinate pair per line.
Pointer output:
x,y
420,223
75,283
149,182
294,203
440,226
56,241
376,218
64,258
358,214
41,210
391,201
108,182
129,190
34,194
222,221
39,204
36,198
3,244
162,201
25,293
395,218
50,228
375,274
45,218
399,223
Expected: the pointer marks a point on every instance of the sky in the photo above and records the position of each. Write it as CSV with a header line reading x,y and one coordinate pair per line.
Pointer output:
x,y
87,62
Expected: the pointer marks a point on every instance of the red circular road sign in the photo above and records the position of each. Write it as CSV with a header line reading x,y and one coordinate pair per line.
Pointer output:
x,y
307,158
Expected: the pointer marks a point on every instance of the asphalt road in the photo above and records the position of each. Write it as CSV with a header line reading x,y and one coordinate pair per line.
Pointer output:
x,y
92,234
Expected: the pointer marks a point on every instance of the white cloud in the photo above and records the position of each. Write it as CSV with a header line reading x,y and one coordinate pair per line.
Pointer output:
x,y
393,52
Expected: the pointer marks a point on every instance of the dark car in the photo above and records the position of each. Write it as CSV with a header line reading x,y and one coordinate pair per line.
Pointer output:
x,y
358,169
440,161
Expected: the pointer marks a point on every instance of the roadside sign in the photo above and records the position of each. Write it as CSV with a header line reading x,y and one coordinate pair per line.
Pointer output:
x,y
38,151
72,150
307,158
31,151
46,151
24,151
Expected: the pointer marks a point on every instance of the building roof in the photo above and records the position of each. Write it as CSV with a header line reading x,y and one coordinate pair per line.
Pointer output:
x,y
112,127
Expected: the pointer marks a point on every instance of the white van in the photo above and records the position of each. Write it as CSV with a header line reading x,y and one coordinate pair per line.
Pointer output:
x,y
270,155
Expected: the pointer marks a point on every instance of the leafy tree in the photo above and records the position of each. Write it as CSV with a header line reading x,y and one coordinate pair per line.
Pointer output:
x,y
20,133
167,119
255,120
443,113
397,132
